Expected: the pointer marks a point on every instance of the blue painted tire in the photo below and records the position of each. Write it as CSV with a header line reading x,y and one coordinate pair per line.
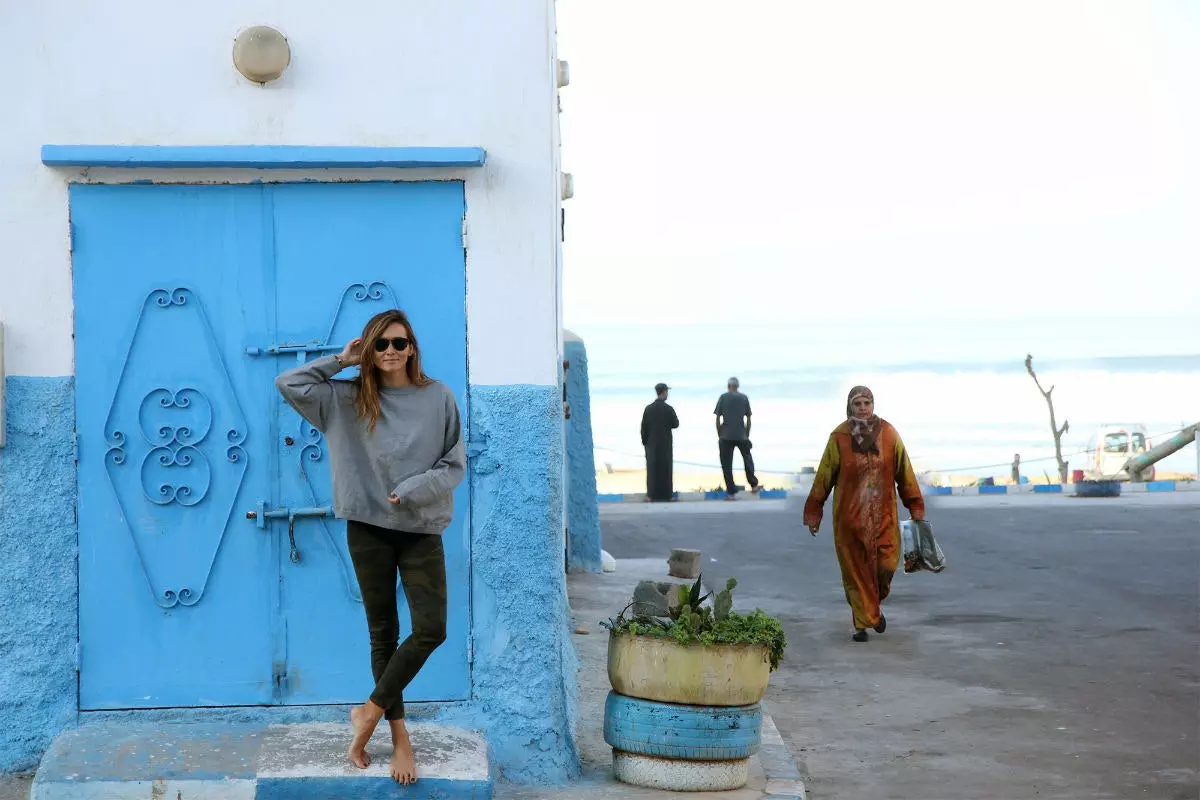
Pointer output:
x,y
688,733
1098,489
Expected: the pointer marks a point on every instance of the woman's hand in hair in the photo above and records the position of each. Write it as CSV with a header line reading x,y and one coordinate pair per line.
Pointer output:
x,y
393,499
351,355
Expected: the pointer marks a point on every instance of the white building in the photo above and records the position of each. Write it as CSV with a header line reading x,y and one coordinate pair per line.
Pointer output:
x,y
174,234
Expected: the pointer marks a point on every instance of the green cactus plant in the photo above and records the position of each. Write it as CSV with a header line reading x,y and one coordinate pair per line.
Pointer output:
x,y
723,603
690,621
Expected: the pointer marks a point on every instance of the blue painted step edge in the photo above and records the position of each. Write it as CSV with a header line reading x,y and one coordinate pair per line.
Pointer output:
x,y
332,788
248,761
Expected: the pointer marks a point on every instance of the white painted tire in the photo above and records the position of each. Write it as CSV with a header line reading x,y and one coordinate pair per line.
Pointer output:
x,y
680,776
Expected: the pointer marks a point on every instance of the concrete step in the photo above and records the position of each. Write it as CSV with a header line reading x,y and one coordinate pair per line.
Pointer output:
x,y
224,761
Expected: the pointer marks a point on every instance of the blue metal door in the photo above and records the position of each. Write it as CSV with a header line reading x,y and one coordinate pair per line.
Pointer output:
x,y
173,431
188,301
344,252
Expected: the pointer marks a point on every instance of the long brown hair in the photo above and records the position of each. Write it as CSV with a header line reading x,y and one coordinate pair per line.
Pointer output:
x,y
366,402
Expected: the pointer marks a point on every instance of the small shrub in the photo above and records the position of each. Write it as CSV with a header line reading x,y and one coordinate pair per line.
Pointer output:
x,y
693,622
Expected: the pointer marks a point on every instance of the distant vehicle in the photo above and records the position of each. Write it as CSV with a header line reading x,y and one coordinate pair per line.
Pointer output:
x,y
1112,445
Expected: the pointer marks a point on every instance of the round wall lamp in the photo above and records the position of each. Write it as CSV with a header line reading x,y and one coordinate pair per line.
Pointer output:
x,y
261,53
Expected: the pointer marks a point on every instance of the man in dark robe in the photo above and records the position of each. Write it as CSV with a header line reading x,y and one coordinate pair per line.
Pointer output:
x,y
658,421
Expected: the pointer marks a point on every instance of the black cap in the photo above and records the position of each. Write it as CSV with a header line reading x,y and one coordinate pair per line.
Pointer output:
x,y
660,388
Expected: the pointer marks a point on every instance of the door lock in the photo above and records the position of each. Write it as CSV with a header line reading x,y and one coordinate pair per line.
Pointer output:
x,y
261,515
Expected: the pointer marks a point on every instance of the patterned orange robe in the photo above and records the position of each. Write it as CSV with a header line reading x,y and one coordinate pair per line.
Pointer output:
x,y
866,528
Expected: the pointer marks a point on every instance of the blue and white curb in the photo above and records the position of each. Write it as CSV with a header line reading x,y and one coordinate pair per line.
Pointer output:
x,y
1057,488
928,491
784,781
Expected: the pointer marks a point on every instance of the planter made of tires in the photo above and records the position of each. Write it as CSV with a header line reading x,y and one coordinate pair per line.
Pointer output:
x,y
654,668
689,733
1099,488
680,776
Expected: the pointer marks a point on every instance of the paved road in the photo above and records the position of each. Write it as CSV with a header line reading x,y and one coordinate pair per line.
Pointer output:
x,y
1058,656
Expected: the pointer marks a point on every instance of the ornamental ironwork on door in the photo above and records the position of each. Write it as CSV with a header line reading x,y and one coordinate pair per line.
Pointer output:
x,y
311,452
175,434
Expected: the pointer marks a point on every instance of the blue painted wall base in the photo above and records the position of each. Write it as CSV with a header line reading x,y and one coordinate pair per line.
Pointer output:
x,y
524,675
523,689
38,567
583,514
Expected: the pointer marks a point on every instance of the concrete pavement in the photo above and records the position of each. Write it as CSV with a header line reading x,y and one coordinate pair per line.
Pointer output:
x,y
1056,657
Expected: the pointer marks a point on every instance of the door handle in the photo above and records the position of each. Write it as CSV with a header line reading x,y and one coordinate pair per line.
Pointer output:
x,y
262,514
301,351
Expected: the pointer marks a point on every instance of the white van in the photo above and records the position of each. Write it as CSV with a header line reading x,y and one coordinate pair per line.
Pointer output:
x,y
1112,445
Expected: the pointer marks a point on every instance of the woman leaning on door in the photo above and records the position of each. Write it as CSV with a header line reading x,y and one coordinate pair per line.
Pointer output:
x,y
396,452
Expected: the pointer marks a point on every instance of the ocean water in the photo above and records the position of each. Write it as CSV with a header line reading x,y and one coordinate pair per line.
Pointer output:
x,y
958,392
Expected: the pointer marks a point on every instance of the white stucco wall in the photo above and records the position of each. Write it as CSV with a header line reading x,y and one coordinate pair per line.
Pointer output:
x,y
372,72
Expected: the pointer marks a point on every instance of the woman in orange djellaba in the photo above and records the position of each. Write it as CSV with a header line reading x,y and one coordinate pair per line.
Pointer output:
x,y
863,460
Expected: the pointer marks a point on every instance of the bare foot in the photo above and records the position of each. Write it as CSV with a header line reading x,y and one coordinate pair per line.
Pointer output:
x,y
404,765
363,719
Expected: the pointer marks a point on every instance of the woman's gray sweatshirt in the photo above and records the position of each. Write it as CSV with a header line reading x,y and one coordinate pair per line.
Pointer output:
x,y
415,453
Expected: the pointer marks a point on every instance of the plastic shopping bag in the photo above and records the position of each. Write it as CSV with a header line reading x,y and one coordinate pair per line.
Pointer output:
x,y
918,548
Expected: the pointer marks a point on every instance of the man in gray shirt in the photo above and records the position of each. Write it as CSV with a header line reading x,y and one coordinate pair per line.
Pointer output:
x,y
733,433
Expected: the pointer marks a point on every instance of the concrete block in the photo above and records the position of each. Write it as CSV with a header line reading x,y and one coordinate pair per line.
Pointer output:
x,y
654,598
684,563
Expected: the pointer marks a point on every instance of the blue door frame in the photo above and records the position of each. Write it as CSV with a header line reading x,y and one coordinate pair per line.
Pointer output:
x,y
188,301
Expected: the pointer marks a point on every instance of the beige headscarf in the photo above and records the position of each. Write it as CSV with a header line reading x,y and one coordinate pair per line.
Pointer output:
x,y
864,433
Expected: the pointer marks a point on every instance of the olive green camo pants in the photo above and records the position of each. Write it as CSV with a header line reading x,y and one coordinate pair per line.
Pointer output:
x,y
378,554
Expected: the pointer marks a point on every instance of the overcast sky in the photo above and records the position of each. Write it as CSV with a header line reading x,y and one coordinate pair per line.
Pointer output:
x,y
784,160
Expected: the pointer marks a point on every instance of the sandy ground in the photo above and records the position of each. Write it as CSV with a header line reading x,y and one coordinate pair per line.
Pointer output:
x,y
633,481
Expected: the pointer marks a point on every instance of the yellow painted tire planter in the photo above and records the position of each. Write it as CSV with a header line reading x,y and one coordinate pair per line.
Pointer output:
x,y
654,668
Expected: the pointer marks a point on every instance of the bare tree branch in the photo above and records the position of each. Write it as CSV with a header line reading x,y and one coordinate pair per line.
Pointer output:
x,y
1054,428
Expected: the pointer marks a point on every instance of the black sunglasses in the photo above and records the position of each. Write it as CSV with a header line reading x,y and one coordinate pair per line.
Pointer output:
x,y
400,343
